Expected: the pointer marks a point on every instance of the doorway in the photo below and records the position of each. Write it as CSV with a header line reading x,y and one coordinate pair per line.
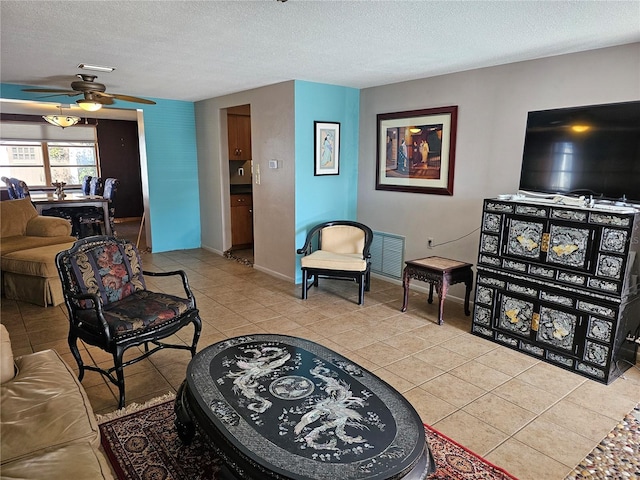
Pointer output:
x,y
240,183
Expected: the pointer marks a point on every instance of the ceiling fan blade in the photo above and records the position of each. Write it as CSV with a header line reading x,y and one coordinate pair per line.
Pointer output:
x,y
128,98
103,99
71,93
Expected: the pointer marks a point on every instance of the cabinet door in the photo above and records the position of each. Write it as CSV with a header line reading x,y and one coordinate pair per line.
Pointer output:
x,y
241,220
241,226
239,137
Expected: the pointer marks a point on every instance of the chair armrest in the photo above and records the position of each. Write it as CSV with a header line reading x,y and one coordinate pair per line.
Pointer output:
x,y
42,226
307,248
76,302
183,276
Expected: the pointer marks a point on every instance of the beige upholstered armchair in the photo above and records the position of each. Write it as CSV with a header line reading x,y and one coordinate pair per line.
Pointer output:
x,y
337,250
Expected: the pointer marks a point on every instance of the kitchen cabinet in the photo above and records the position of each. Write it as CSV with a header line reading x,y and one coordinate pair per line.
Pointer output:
x,y
239,136
560,283
241,221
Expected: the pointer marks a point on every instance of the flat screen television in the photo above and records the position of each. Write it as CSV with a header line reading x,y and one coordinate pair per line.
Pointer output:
x,y
591,150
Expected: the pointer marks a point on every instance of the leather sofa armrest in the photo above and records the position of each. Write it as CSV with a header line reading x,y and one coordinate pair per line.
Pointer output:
x,y
42,226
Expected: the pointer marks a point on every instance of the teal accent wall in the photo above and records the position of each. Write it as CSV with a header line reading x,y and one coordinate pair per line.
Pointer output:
x,y
170,142
327,197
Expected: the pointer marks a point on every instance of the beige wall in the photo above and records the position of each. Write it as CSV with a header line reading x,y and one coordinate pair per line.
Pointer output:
x,y
492,113
272,132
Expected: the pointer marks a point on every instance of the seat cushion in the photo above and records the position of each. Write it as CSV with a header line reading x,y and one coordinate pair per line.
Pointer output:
x,y
334,261
44,406
22,242
37,262
79,461
139,311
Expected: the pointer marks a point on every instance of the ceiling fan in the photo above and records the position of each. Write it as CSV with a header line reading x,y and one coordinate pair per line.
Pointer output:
x,y
95,95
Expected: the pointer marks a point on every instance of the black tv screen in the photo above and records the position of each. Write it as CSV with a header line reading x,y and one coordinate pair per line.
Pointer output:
x,y
590,150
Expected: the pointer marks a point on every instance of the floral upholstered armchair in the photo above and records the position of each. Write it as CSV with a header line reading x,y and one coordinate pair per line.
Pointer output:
x,y
110,307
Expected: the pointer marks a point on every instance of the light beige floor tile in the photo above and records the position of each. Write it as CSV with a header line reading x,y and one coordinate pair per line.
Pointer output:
x,y
351,339
430,408
562,445
597,397
473,433
579,419
407,343
394,380
526,395
526,463
507,361
452,389
441,357
469,345
414,370
380,353
628,385
103,399
551,378
437,334
499,413
145,385
480,375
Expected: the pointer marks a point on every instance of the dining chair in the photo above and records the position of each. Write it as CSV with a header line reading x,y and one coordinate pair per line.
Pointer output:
x,y
338,250
96,186
16,188
91,219
110,307
86,184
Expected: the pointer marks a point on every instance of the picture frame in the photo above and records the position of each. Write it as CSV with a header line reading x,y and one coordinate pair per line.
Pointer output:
x,y
416,150
327,148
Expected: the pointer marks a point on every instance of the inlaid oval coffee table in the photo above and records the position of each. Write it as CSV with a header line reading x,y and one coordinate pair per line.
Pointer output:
x,y
281,407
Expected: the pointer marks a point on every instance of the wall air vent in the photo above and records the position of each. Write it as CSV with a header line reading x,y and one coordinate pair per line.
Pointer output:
x,y
387,254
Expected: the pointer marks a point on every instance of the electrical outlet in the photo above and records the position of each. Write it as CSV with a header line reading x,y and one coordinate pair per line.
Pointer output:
x,y
430,242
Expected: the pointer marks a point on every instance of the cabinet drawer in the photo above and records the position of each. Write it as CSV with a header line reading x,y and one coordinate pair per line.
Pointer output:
x,y
241,199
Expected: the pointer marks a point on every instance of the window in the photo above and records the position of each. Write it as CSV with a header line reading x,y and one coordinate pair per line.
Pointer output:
x,y
41,163
71,162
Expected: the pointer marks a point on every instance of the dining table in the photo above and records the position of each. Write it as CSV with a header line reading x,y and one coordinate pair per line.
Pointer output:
x,y
44,200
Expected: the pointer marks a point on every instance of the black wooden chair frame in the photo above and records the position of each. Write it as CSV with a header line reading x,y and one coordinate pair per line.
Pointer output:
x,y
102,337
310,276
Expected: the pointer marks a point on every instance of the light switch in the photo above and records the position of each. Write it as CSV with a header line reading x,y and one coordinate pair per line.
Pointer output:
x,y
273,163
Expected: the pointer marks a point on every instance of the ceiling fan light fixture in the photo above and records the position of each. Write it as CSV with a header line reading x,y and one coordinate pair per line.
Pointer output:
x,y
95,68
61,120
89,105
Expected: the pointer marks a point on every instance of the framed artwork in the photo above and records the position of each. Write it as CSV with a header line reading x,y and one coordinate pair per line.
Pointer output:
x,y
327,148
416,150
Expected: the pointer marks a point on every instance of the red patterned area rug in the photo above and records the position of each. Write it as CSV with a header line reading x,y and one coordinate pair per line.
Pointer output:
x,y
142,443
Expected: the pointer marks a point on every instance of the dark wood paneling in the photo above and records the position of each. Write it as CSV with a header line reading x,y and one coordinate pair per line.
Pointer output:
x,y
120,158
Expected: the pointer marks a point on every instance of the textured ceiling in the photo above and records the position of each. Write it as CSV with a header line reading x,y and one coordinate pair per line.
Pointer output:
x,y
193,50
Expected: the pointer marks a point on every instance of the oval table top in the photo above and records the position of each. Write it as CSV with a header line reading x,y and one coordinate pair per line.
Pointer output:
x,y
286,407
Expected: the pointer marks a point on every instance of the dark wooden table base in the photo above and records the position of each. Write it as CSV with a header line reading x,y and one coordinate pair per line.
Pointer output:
x,y
439,272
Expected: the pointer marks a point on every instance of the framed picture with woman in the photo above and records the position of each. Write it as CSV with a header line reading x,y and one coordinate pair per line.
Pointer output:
x,y
327,148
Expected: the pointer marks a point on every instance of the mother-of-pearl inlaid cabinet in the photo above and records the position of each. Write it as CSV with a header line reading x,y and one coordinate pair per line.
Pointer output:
x,y
560,283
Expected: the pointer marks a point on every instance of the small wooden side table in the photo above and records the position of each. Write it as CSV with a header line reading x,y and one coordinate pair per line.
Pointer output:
x,y
440,272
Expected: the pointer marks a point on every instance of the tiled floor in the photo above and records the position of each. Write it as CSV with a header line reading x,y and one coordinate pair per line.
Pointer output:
x,y
535,420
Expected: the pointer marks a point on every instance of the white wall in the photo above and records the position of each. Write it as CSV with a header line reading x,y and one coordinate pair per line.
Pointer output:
x,y
492,113
272,132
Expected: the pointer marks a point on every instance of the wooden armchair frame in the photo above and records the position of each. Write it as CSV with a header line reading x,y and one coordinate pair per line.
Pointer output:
x,y
340,265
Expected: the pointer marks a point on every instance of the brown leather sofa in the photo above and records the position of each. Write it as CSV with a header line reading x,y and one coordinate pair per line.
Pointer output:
x,y
28,245
47,426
